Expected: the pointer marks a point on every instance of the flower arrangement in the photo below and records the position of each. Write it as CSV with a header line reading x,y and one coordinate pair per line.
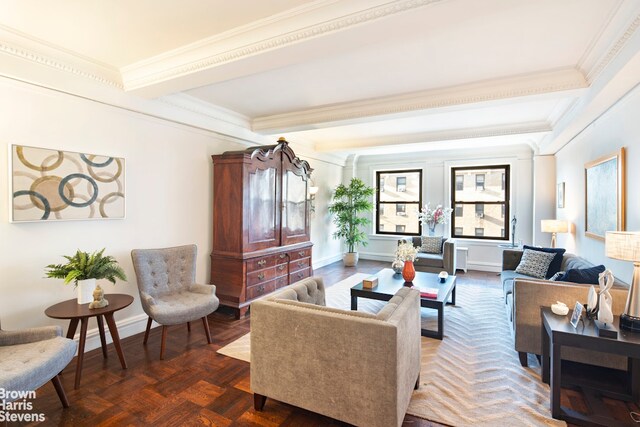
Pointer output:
x,y
406,252
432,217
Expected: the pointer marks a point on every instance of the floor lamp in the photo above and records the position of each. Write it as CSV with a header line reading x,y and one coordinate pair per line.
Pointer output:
x,y
554,226
625,246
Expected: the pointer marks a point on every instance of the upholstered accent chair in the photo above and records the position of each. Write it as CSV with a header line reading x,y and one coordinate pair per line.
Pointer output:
x,y
357,367
30,358
435,263
168,292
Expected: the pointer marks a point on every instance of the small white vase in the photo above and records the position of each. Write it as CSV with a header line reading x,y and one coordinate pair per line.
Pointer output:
x,y
85,290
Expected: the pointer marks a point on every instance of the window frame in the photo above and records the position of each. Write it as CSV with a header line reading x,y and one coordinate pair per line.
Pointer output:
x,y
506,169
403,202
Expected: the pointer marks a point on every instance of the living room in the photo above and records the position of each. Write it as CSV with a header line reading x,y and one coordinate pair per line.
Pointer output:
x,y
357,88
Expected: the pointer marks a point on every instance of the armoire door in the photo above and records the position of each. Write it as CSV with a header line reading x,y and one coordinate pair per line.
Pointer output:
x,y
295,213
263,212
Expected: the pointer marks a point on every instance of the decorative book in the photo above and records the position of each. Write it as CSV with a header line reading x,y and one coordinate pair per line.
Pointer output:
x,y
428,292
370,282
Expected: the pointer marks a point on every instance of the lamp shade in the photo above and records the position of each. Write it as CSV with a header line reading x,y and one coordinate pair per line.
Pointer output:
x,y
624,245
554,226
313,190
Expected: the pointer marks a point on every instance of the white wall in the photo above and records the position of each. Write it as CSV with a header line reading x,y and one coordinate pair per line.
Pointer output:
x,y
544,197
483,254
618,127
168,187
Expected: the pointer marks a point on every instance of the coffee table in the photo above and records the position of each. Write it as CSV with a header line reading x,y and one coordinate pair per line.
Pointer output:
x,y
389,283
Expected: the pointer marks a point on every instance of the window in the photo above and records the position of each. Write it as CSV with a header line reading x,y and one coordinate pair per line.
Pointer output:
x,y
401,184
459,182
398,204
481,211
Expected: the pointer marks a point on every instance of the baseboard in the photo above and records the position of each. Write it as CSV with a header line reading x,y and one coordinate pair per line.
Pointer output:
x,y
126,328
318,263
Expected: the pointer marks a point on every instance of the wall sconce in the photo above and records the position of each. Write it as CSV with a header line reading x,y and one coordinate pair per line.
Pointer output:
x,y
312,197
554,226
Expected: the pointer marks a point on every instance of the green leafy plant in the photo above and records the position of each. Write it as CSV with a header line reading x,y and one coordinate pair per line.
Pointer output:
x,y
349,202
83,265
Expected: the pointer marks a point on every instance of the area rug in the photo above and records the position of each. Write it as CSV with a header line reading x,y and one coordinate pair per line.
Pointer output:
x,y
473,376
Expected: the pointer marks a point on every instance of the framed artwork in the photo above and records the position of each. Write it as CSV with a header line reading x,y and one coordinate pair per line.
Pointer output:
x,y
577,314
55,185
605,195
560,195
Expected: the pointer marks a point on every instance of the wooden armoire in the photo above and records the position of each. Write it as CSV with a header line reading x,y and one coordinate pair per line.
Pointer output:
x,y
260,223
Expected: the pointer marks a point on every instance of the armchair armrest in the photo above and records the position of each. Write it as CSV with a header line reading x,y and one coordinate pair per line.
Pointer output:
x,y
510,259
26,336
147,299
203,289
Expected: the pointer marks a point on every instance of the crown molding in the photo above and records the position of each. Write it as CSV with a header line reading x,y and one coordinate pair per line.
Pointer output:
x,y
34,50
197,106
528,128
291,27
550,83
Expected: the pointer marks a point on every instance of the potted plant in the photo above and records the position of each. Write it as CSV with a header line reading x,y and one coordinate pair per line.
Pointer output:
x,y
349,203
84,269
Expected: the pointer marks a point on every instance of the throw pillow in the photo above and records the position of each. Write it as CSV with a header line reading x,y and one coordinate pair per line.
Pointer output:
x,y
556,277
535,263
556,264
587,276
431,244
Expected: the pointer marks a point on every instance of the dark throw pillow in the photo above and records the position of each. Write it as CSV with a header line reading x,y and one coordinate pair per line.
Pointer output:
x,y
534,263
587,276
556,264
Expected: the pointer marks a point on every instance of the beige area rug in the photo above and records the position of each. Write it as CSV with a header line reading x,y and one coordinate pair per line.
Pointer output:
x,y
473,376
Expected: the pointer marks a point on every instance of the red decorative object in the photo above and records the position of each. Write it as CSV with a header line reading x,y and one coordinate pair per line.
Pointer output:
x,y
409,271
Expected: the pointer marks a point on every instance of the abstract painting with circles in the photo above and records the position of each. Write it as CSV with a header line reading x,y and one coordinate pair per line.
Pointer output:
x,y
50,185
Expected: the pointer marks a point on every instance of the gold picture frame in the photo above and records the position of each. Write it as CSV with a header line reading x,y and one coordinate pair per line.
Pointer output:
x,y
605,190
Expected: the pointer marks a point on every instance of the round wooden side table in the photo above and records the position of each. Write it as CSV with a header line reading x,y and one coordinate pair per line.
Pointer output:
x,y
80,313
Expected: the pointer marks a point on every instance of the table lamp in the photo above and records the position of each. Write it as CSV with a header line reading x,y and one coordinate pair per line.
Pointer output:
x,y
625,245
554,226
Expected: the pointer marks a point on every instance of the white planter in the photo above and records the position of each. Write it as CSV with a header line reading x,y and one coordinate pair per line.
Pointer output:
x,y
350,259
85,290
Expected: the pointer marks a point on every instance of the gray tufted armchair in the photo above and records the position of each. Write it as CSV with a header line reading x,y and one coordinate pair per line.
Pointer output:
x,y
168,292
29,358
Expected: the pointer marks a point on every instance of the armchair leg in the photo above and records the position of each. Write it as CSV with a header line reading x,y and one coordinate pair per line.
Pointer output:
x,y
205,323
523,359
189,326
417,386
259,401
146,333
60,390
164,339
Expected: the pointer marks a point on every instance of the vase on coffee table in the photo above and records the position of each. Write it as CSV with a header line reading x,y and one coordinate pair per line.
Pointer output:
x,y
409,271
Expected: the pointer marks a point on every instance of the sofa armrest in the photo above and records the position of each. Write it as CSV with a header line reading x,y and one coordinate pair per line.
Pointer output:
x,y
529,295
26,336
510,259
449,256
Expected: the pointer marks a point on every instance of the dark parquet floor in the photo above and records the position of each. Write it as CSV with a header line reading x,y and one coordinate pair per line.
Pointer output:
x,y
195,386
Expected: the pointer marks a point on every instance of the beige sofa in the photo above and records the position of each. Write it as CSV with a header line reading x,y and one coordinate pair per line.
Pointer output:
x,y
435,263
356,367
525,295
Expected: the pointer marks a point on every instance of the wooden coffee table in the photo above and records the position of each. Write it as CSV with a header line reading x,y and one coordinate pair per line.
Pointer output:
x,y
389,283
80,313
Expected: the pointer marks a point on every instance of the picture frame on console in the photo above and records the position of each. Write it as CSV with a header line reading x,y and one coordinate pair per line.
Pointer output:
x,y
605,195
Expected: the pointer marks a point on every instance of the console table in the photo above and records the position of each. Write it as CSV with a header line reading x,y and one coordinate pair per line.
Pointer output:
x,y
557,332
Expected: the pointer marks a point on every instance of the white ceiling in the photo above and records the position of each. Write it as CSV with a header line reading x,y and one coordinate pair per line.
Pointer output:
x,y
347,76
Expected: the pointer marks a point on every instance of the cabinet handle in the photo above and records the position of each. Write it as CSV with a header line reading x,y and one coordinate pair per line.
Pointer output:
x,y
282,256
261,289
301,253
300,264
262,262
260,276
300,275
281,267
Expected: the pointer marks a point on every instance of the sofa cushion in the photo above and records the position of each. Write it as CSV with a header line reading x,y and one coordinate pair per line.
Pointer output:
x,y
429,260
431,244
507,277
587,276
535,263
555,265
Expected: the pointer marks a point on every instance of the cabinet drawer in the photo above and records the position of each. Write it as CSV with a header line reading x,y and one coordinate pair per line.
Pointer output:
x,y
282,270
261,276
299,275
260,263
300,253
282,281
282,258
299,264
261,289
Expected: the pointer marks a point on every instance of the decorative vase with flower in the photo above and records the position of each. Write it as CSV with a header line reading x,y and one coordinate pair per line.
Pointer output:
x,y
429,218
407,252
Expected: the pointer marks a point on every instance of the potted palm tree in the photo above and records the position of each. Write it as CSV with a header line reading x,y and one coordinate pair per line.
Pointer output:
x,y
349,203
84,269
